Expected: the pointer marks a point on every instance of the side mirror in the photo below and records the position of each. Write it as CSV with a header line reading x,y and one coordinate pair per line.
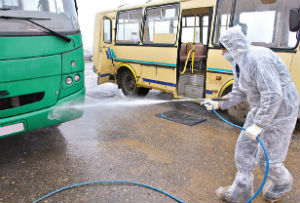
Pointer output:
x,y
294,20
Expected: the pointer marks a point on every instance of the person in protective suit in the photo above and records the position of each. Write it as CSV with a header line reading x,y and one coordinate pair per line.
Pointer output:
x,y
263,78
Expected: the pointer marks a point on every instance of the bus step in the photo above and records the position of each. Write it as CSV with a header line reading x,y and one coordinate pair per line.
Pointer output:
x,y
191,85
194,91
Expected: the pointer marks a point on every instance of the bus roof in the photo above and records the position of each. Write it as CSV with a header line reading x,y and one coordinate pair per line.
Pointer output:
x,y
187,4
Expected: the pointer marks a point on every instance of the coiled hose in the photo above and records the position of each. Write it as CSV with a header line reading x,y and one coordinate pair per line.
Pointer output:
x,y
158,190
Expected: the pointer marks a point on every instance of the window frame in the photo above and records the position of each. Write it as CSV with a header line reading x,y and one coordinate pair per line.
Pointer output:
x,y
278,49
215,17
117,23
107,18
232,13
144,22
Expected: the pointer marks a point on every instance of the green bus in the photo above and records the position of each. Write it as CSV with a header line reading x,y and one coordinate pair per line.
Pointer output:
x,y
41,64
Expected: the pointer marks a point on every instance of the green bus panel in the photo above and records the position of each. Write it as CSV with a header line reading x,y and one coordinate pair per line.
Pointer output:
x,y
39,65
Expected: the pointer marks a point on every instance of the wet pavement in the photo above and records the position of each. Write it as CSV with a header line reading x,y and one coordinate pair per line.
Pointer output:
x,y
127,143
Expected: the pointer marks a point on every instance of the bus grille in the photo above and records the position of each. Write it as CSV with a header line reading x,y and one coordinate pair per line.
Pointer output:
x,y
22,100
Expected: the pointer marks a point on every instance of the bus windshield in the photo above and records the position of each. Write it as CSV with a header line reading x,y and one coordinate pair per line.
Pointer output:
x,y
265,22
61,16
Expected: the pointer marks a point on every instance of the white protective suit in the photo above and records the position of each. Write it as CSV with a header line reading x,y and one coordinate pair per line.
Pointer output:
x,y
265,81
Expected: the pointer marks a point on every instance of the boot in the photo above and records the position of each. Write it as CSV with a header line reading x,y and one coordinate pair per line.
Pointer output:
x,y
229,195
240,191
272,192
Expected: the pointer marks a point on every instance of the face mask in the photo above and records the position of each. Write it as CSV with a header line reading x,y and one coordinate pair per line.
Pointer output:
x,y
228,56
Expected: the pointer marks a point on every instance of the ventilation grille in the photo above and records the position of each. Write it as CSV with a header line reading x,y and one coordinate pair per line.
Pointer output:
x,y
12,102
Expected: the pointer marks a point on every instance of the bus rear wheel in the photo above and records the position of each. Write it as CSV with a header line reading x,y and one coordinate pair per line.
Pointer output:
x,y
129,87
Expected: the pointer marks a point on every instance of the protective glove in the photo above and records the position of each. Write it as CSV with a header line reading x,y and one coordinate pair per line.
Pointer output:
x,y
210,104
253,131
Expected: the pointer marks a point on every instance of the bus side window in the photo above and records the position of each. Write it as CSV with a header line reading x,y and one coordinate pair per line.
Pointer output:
x,y
129,26
161,24
270,19
107,30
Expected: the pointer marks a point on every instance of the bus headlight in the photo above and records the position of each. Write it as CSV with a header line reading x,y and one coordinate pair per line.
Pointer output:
x,y
69,80
77,78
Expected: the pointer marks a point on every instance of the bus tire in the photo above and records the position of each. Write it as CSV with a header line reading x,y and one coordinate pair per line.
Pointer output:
x,y
143,91
237,113
129,87
55,126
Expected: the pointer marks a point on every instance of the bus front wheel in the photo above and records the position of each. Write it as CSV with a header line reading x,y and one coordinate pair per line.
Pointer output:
x,y
128,85
237,113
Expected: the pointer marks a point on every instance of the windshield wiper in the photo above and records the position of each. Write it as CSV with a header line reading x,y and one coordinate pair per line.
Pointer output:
x,y
30,19
5,9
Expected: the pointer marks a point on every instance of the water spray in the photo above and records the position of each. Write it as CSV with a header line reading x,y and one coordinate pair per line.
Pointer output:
x,y
142,102
133,103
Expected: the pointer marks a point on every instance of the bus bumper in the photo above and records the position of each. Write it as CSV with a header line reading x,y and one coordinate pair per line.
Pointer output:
x,y
64,110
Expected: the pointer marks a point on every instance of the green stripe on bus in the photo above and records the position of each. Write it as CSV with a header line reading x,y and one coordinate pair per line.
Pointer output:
x,y
145,62
219,70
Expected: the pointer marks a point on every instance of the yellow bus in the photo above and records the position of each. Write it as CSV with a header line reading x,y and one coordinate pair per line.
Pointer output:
x,y
173,45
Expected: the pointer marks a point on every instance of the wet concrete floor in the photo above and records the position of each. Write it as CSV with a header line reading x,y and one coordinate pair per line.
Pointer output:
x,y
127,143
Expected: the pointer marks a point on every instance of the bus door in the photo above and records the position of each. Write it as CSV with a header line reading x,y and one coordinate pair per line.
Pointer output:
x,y
106,53
195,23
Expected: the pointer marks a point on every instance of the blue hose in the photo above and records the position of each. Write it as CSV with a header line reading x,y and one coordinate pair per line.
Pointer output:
x,y
266,154
105,182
